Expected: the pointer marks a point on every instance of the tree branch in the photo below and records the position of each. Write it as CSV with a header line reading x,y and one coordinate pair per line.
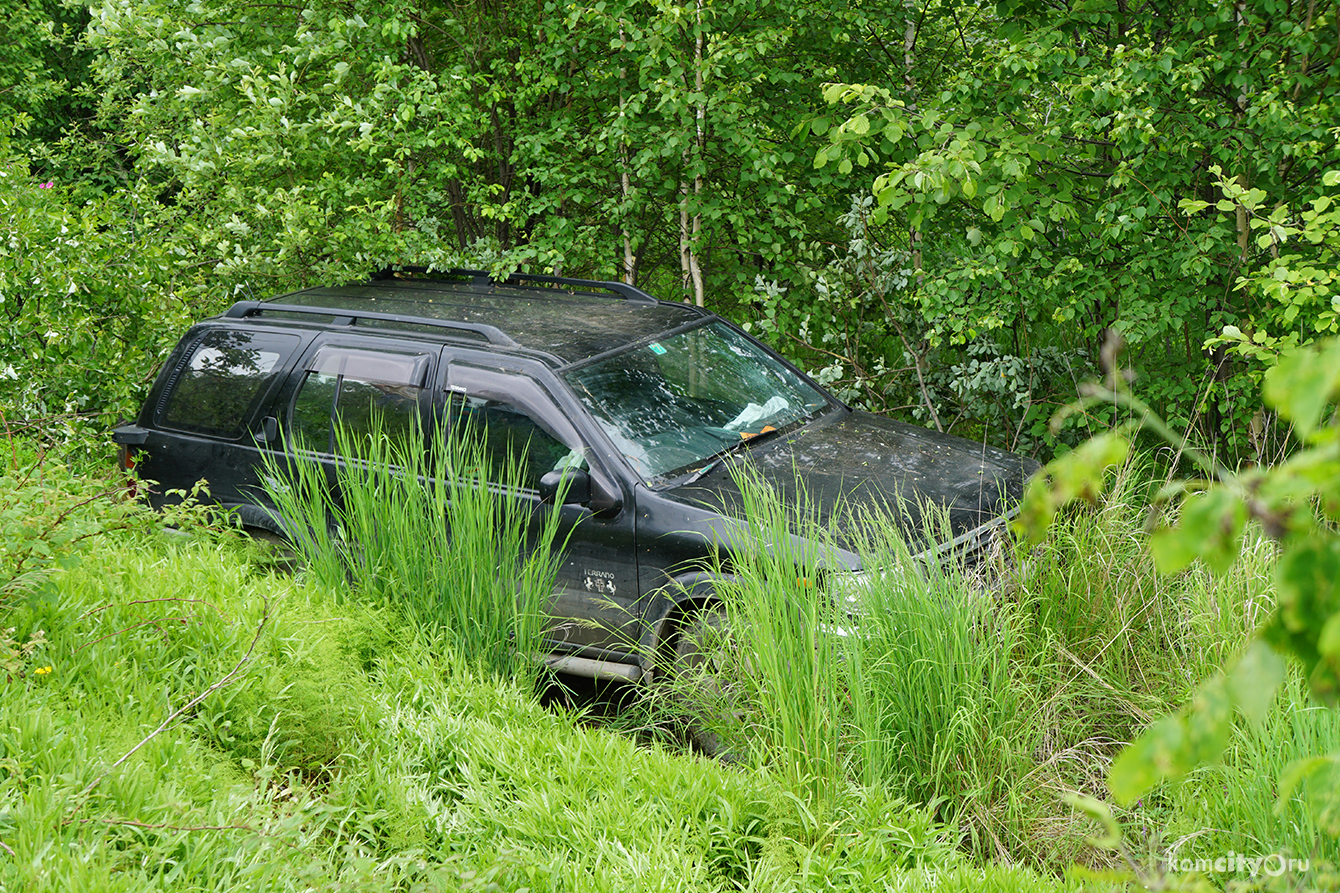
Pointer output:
x,y
172,717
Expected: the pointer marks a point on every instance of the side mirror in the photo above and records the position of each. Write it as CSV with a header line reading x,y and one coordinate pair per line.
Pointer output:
x,y
269,432
577,482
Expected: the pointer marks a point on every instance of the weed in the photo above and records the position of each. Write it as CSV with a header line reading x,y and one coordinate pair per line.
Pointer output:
x,y
416,528
988,705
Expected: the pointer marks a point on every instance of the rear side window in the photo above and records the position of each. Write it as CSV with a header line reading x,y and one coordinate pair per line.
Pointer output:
x,y
364,390
216,390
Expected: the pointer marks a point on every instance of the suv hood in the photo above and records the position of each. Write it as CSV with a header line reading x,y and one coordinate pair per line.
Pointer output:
x,y
857,461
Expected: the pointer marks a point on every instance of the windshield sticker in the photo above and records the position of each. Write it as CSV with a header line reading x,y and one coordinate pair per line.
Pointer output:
x,y
656,348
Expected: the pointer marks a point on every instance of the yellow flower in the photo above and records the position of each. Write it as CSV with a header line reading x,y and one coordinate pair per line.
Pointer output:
x,y
42,671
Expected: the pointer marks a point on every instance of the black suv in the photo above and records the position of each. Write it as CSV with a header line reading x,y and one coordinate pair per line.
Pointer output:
x,y
640,404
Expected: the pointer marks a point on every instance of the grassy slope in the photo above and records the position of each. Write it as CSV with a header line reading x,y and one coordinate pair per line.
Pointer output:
x,y
997,708
347,754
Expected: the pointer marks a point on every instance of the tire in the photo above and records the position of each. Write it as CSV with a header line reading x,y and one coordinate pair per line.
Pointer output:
x,y
698,679
279,553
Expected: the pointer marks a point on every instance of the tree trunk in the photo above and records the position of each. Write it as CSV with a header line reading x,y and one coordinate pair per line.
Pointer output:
x,y
691,226
910,87
628,271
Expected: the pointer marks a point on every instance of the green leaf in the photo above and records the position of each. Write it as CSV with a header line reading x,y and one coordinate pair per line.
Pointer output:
x,y
1317,781
1307,585
1254,679
1302,383
1146,762
1174,745
1100,812
1079,474
1210,528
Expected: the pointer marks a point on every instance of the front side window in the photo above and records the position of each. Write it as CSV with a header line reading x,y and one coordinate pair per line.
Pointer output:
x,y
506,414
672,405
365,391
227,373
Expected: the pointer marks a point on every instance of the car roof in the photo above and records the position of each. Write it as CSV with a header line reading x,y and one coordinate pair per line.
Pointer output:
x,y
568,320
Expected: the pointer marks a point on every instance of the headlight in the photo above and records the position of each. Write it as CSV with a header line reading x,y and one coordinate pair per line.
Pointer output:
x,y
850,591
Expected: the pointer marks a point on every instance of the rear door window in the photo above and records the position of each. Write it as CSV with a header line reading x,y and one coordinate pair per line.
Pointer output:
x,y
217,389
366,391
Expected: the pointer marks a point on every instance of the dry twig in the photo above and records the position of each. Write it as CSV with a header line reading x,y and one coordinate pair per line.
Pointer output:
x,y
172,717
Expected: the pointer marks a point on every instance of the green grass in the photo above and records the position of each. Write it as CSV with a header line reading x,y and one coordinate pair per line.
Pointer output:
x,y
351,751
927,696
208,725
407,529
992,706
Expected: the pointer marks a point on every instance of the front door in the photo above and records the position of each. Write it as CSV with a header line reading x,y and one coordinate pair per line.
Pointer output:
x,y
595,606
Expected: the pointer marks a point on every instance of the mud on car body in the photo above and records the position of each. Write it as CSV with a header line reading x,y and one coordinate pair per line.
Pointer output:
x,y
632,408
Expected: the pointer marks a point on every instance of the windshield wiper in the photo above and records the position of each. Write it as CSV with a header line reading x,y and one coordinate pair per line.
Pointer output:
x,y
720,455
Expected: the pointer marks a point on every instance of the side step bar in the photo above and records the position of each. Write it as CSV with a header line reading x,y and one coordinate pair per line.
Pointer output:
x,y
595,669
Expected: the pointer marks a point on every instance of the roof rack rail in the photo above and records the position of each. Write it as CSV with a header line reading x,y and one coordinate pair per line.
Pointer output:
x,y
481,277
623,289
345,316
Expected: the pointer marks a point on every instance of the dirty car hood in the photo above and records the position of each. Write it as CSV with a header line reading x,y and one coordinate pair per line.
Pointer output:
x,y
858,461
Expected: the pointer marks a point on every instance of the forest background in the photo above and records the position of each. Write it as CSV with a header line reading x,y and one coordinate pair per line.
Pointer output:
x,y
938,208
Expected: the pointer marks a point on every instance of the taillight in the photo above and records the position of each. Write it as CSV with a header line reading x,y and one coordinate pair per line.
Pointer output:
x,y
126,438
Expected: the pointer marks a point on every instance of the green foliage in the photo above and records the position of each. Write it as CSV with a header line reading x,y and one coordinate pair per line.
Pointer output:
x,y
1299,281
1244,798
350,749
42,70
16,656
1197,735
785,665
444,779
1293,502
46,514
86,304
938,678
1060,178
306,711
849,322
1070,477
413,528
988,703
312,146
838,315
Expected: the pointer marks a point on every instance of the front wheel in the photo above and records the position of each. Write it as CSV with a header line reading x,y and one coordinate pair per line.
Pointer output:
x,y
699,679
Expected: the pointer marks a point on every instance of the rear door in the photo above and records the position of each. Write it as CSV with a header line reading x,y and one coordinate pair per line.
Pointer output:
x,y
356,386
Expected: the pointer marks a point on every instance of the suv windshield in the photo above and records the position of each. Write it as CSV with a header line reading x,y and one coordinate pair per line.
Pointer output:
x,y
670,406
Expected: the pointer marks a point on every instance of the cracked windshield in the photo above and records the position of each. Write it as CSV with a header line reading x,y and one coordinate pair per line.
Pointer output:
x,y
674,407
